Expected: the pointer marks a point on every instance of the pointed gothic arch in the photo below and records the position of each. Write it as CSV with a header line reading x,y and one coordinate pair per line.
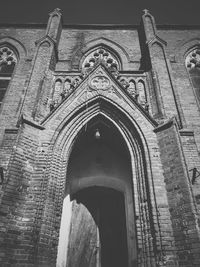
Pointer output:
x,y
17,53
140,168
104,168
110,45
101,53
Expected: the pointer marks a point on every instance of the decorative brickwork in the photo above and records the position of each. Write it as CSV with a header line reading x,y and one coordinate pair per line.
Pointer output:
x,y
100,122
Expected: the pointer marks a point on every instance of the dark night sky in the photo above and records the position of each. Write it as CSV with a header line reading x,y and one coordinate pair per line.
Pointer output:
x,y
101,11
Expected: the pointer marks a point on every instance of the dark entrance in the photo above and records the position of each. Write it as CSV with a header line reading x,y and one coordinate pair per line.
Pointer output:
x,y
99,181
108,210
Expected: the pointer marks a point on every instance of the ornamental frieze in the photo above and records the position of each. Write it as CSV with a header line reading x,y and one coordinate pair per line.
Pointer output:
x,y
99,83
64,85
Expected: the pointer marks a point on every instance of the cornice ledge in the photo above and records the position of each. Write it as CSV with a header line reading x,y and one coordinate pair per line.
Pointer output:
x,y
26,120
56,11
11,130
167,124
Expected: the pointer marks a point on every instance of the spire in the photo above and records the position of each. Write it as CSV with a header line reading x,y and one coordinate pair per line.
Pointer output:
x,y
149,25
54,25
55,11
146,11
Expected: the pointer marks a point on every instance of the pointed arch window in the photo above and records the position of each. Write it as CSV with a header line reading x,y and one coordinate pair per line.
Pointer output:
x,y
193,67
101,55
8,61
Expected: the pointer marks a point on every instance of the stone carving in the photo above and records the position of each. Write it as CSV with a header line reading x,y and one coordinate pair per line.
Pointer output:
x,y
136,89
68,88
193,59
100,82
67,85
131,88
7,56
62,88
100,55
124,82
57,91
141,93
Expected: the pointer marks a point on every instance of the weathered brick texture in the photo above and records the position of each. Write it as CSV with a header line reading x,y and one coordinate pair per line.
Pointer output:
x,y
146,97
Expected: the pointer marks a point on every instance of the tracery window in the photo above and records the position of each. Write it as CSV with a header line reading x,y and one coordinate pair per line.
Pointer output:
x,y
193,67
100,55
8,61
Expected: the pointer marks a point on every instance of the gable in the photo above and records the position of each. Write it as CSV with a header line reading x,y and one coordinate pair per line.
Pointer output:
x,y
98,85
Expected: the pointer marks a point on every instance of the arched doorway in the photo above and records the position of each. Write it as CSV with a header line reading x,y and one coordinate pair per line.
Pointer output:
x,y
104,242
99,182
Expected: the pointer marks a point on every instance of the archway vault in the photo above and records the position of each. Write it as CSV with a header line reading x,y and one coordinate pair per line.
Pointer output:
x,y
100,163
99,109
108,214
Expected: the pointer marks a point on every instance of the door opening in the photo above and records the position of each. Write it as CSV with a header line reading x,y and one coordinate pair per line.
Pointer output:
x,y
99,181
107,208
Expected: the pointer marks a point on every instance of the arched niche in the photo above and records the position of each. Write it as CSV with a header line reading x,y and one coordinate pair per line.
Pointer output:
x,y
141,92
58,86
99,182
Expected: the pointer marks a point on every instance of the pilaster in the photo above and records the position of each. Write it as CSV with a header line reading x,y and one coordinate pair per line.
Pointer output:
x,y
158,65
43,64
180,198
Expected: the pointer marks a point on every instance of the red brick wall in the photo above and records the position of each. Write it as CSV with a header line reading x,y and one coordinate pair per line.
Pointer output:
x,y
35,149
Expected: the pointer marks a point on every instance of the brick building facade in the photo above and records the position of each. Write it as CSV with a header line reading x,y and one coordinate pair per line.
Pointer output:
x,y
99,145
